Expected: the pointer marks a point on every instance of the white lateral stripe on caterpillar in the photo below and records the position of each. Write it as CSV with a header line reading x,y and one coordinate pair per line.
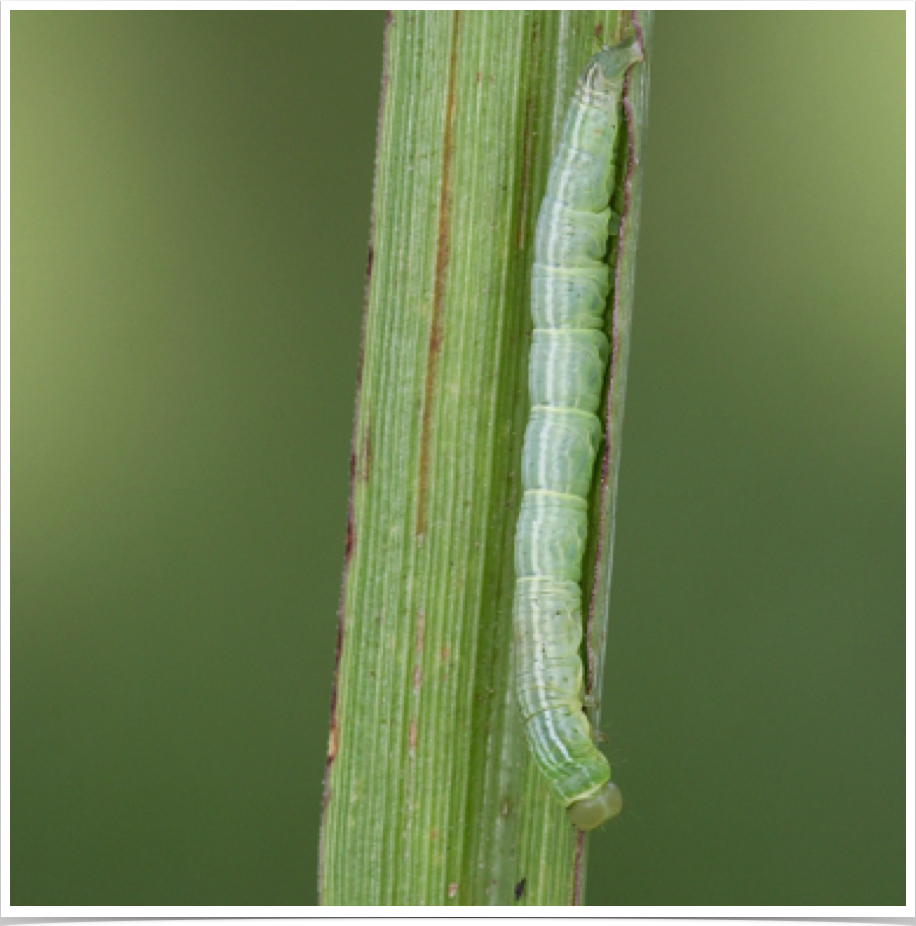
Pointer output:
x,y
569,355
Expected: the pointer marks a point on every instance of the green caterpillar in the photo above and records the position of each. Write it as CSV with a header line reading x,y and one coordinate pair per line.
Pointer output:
x,y
569,355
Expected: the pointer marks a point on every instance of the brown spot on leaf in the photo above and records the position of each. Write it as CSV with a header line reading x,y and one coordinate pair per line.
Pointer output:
x,y
453,889
442,253
412,736
370,260
419,632
351,538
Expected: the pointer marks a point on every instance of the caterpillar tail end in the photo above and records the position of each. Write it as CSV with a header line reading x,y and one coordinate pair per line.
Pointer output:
x,y
598,808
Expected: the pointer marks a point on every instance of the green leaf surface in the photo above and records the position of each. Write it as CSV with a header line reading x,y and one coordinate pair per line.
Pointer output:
x,y
430,797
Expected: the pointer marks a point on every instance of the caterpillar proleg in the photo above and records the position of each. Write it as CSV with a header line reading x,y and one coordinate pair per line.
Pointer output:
x,y
569,355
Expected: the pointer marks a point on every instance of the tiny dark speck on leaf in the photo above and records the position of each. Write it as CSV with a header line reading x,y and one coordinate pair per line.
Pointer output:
x,y
520,888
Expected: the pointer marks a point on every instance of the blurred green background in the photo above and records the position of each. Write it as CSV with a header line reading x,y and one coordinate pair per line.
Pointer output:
x,y
191,194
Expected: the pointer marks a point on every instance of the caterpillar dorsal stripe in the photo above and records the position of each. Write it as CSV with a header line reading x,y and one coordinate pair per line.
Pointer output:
x,y
569,354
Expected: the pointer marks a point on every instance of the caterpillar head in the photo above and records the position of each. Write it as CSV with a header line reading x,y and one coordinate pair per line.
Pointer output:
x,y
596,809
606,69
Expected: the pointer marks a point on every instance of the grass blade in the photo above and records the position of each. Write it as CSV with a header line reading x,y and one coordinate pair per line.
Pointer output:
x,y
430,797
